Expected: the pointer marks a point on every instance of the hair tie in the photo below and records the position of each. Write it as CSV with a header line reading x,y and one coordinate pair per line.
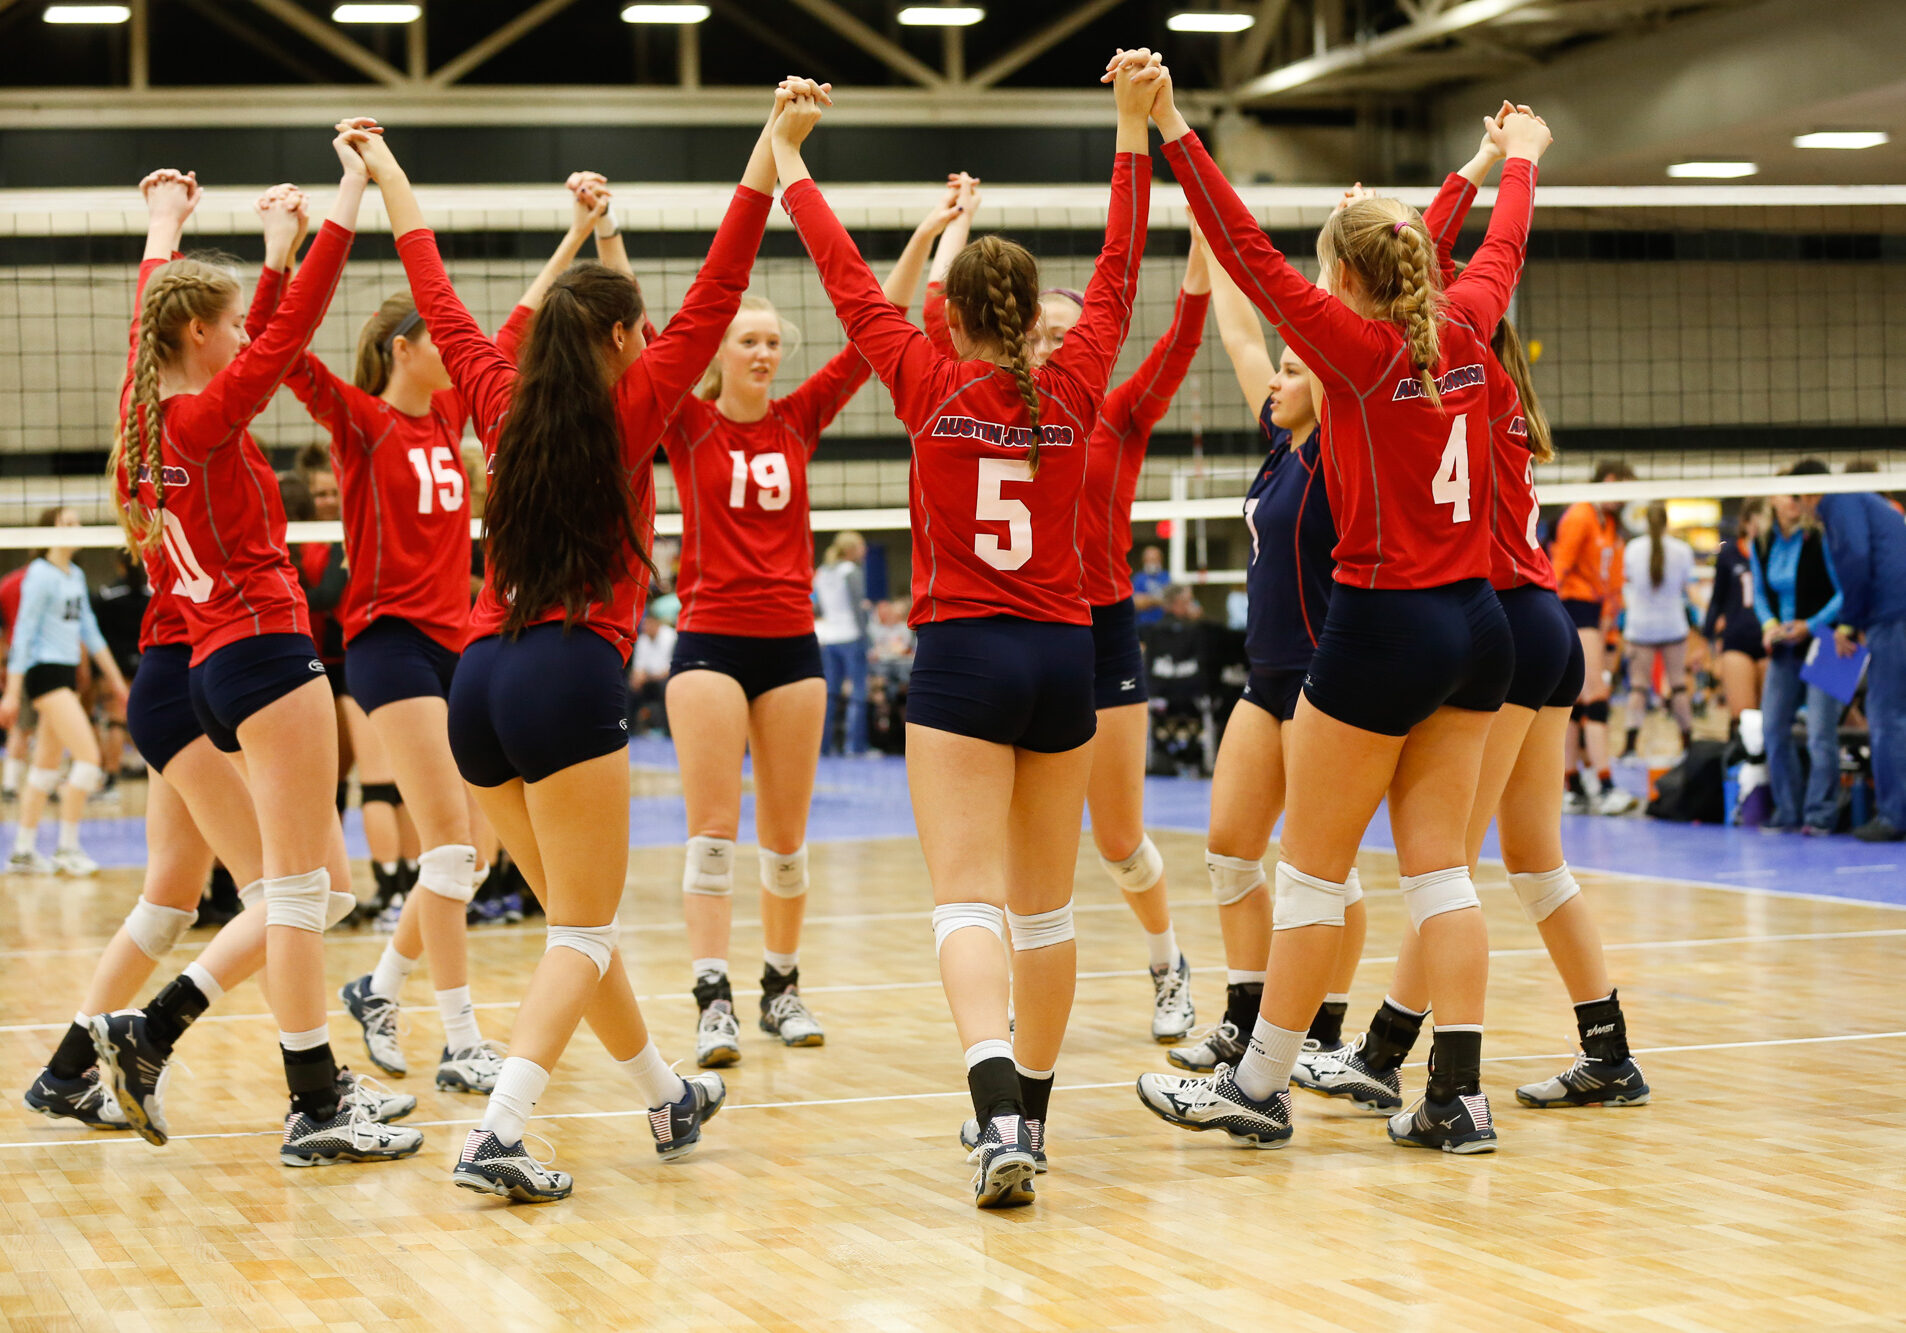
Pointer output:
x,y
404,328
1075,297
1400,226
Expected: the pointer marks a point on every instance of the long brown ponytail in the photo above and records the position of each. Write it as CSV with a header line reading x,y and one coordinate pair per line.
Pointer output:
x,y
1384,243
1507,344
176,294
1657,547
559,521
374,354
994,283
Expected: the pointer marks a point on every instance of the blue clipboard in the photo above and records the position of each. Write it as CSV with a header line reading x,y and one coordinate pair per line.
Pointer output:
x,y
1827,670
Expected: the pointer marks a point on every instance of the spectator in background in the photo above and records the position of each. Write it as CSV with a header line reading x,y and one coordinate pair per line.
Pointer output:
x,y
840,600
1731,623
648,676
1657,570
1866,545
22,728
1868,465
892,652
1588,571
1148,586
119,606
1182,604
1797,597
1237,609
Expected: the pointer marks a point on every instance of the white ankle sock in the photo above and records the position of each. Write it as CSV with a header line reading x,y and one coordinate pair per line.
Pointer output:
x,y
719,966
460,1030
69,836
305,1041
392,970
1237,977
205,981
783,963
24,838
14,771
1164,948
519,1086
658,1084
1266,1067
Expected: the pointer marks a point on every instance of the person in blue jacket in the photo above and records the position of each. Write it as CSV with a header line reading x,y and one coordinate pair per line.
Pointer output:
x,y
54,625
1866,545
1797,598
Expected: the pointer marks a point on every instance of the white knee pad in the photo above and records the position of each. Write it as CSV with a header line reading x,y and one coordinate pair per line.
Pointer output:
x,y
710,867
43,779
302,902
252,894
595,943
784,874
1438,892
89,778
1233,879
1306,900
1042,930
1353,888
449,872
156,929
337,906
1540,894
949,917
1139,871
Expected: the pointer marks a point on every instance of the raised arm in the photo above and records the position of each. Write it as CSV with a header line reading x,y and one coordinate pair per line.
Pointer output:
x,y
1444,217
582,226
1141,402
952,241
903,279
1334,343
1243,339
170,198
900,353
482,374
1489,280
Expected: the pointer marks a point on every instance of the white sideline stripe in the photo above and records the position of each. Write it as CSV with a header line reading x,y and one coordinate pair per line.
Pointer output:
x,y
1800,937
104,1138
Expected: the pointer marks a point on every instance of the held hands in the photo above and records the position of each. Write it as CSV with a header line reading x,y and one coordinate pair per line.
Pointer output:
x,y
171,194
1355,194
361,139
968,190
284,215
1489,151
943,213
799,103
592,198
1137,78
1521,133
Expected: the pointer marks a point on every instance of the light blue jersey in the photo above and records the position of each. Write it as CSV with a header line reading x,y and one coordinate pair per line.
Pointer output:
x,y
55,619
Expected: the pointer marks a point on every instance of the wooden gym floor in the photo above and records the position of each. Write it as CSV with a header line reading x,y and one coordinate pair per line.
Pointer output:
x,y
1762,1188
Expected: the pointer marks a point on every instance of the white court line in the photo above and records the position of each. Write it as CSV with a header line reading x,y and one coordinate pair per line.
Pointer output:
x,y
101,1139
1798,937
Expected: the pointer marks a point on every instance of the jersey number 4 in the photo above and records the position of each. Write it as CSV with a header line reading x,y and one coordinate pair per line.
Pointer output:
x,y
992,507
773,483
1450,485
439,479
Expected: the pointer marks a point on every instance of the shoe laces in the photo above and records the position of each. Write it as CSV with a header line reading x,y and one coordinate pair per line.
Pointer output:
x,y
1210,1032
543,1163
718,1018
365,1132
787,1005
485,1052
363,1091
1173,988
1571,1077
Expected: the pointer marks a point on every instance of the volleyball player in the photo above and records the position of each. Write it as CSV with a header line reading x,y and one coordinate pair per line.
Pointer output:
x,y
1516,785
205,492
1287,587
568,517
746,675
1115,794
395,430
1657,569
51,630
1730,621
1415,657
1588,568
999,705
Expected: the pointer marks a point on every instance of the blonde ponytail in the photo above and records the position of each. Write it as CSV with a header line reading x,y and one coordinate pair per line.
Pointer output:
x,y
1384,243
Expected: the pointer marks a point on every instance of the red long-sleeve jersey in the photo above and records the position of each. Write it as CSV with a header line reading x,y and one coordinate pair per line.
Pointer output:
x,y
1402,474
406,504
989,538
747,551
223,522
1516,556
647,397
1117,453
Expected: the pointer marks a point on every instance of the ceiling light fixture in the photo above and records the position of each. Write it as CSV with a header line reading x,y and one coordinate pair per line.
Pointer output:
x,y
1194,21
940,16
665,14
1713,171
87,14
377,13
1842,139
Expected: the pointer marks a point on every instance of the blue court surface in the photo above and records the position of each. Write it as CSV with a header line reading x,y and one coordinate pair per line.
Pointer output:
x,y
867,798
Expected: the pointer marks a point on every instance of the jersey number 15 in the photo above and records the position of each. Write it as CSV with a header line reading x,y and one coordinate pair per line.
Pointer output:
x,y
440,467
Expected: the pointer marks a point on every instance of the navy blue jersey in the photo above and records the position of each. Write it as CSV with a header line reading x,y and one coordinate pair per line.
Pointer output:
x,y
1292,536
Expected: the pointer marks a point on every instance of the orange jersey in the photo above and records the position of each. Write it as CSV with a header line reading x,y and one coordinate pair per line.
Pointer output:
x,y
1587,557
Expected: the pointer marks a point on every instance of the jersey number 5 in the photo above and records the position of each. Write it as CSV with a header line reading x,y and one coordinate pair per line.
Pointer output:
x,y
1450,485
441,467
771,477
995,508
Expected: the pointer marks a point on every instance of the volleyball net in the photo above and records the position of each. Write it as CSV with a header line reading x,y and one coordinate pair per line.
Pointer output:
x,y
1706,336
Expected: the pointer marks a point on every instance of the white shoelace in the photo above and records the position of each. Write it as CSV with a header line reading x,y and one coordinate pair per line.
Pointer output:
x,y
787,1005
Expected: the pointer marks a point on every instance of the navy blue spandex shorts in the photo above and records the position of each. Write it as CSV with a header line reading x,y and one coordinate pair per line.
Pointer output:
x,y
243,677
1015,682
1275,692
757,665
1118,678
159,713
1549,662
534,705
393,660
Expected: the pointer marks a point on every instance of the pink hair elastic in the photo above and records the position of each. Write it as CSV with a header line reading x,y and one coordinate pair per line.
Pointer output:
x,y
1400,226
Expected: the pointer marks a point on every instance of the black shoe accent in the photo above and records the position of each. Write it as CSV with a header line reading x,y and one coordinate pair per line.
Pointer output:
x,y
312,1078
1604,1031
1326,1029
1393,1031
1242,1003
1455,1065
75,1054
710,986
994,1084
172,1011
1035,1094
774,982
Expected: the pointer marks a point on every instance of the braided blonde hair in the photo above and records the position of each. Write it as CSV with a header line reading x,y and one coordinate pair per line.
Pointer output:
x,y
1385,244
176,294
994,283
